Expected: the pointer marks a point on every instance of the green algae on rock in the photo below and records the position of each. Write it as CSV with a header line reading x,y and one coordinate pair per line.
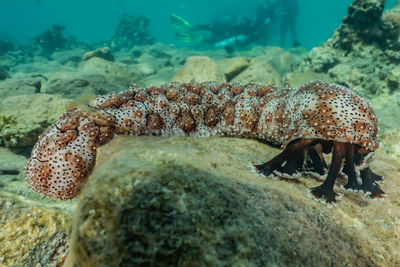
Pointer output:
x,y
32,234
20,86
297,79
231,67
12,177
184,201
25,117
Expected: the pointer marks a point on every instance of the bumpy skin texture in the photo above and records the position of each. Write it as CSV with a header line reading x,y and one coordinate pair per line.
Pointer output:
x,y
63,157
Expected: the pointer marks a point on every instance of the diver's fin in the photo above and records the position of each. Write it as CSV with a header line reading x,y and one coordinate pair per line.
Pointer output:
x,y
188,37
179,23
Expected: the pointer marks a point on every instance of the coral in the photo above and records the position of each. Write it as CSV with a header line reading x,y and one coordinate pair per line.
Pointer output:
x,y
364,14
363,51
131,30
51,39
362,24
391,27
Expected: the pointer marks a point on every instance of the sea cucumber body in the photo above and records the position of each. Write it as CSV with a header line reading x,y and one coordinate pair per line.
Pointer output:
x,y
65,154
278,116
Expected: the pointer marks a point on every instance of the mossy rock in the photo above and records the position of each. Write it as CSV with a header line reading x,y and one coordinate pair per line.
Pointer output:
x,y
24,117
184,201
31,234
258,72
199,69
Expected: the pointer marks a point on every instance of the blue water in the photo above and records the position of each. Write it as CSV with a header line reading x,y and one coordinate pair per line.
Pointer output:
x,y
92,20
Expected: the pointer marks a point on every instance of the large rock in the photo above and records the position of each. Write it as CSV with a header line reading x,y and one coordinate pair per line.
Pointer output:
x,y
21,86
283,61
65,56
11,170
74,85
347,74
40,65
148,65
179,58
161,76
184,201
387,109
23,118
231,67
32,233
259,72
297,79
103,67
199,69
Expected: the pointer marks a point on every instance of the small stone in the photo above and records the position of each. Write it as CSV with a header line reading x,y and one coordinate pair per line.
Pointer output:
x,y
104,53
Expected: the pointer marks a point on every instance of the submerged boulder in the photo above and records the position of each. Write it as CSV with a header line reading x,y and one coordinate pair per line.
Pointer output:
x,y
258,72
297,79
23,118
32,233
100,66
199,69
185,201
231,67
75,85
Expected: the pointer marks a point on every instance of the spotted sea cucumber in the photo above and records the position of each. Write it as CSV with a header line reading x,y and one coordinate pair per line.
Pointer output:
x,y
314,119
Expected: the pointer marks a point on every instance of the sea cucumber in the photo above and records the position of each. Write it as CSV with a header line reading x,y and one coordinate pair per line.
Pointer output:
x,y
314,119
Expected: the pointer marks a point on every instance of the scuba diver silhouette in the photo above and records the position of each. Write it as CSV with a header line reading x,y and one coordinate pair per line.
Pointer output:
x,y
283,12
223,33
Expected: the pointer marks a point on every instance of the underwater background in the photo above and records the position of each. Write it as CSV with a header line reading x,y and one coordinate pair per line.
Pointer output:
x,y
183,201
96,20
